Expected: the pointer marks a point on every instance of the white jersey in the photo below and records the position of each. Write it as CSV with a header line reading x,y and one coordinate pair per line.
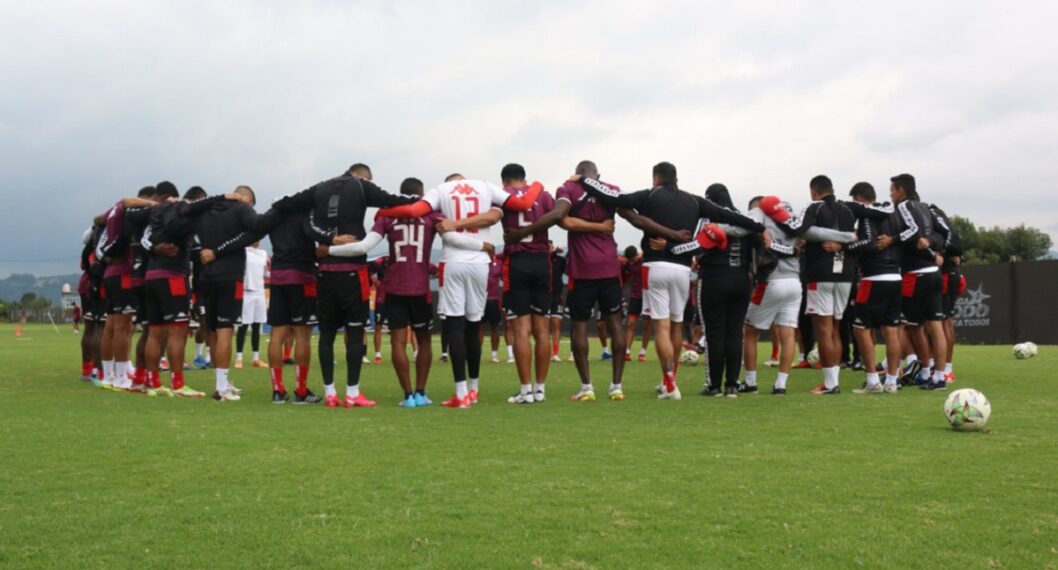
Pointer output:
x,y
459,200
256,264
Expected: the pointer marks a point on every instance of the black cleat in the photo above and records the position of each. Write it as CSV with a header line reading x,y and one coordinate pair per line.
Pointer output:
x,y
731,392
279,397
857,365
940,386
744,388
828,391
778,391
911,373
711,392
288,361
308,398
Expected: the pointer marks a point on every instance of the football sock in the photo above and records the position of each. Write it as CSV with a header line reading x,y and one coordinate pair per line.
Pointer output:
x,y
554,349
614,386
199,347
123,369
538,386
938,376
932,363
774,352
586,387
277,380
751,377
177,380
910,358
461,389
642,352
510,352
890,380
328,390
256,355
494,355
948,368
352,390
830,376
86,368
108,371
669,381
378,355
780,380
302,373
923,374
872,378
473,385
523,389
140,377
221,375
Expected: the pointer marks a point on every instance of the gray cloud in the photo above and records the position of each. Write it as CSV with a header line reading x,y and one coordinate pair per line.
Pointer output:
x,y
99,99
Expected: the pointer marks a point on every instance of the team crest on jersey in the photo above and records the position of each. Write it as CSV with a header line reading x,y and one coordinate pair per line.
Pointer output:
x,y
464,189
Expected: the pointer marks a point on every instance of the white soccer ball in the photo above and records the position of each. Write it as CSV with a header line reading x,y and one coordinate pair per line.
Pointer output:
x,y
967,409
1022,351
813,356
1033,349
689,357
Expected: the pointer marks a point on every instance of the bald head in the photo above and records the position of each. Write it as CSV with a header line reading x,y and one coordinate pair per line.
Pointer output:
x,y
247,194
587,168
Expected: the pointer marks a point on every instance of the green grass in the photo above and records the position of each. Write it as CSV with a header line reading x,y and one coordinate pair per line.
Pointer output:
x,y
96,479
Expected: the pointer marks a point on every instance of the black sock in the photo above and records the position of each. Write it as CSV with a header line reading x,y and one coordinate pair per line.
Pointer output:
x,y
472,335
354,352
326,351
255,337
457,349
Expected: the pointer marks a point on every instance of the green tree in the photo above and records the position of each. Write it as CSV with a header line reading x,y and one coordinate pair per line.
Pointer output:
x,y
993,245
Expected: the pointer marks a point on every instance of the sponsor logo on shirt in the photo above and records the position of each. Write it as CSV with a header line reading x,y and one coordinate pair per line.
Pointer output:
x,y
464,189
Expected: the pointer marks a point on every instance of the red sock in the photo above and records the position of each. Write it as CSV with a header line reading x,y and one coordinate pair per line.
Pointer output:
x,y
775,353
140,377
303,379
554,349
152,379
178,379
670,381
286,354
86,368
277,380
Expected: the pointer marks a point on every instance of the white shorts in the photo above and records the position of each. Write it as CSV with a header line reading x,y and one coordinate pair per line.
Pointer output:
x,y
828,299
775,302
254,307
666,287
464,287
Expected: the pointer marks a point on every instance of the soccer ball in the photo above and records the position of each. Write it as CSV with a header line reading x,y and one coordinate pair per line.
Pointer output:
x,y
967,409
1022,351
689,357
1033,349
813,356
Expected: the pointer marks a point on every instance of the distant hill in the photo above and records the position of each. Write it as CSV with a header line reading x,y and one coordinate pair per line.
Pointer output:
x,y
14,286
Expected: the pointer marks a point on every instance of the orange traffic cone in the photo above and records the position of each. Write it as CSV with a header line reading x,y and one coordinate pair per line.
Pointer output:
x,y
18,330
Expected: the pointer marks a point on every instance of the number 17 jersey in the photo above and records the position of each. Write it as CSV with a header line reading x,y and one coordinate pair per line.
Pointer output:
x,y
410,243
462,199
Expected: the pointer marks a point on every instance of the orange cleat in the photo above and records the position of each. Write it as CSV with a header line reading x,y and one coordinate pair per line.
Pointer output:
x,y
359,402
378,360
332,402
457,402
238,363
472,396
258,364
802,364
642,358
628,357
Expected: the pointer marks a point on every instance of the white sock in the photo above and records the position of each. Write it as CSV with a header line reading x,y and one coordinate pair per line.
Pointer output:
x,y
606,350
830,376
614,387
800,356
642,352
414,354
352,391
221,374
780,380
461,389
587,387
538,387
328,390
890,380
238,357
510,351
378,355
948,368
523,389
938,376
494,356
932,363
473,384
256,355
923,374
872,378
123,370
108,371
199,347
910,358
751,377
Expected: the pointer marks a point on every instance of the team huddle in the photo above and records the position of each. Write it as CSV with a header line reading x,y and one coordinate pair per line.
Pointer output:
x,y
171,264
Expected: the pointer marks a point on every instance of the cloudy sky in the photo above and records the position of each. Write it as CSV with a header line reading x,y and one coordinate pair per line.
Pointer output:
x,y
98,99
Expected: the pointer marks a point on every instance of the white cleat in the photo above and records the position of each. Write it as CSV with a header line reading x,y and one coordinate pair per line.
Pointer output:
x,y
520,398
869,389
226,396
889,389
539,396
556,358
673,395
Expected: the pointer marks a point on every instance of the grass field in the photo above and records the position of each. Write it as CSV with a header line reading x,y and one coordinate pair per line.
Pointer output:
x,y
94,479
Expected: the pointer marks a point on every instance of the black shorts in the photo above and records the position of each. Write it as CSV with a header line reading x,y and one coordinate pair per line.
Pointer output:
x,y
223,304
635,308
343,298
117,290
493,313
381,317
198,304
93,308
527,284
140,291
168,301
922,298
951,284
557,309
878,304
292,305
408,310
584,294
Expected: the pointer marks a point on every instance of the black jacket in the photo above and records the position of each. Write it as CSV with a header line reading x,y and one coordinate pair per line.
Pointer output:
x,y
819,265
871,260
